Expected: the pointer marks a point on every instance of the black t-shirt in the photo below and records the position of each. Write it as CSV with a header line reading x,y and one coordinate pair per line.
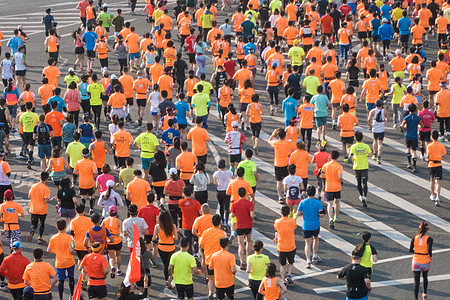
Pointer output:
x,y
157,173
355,275
264,14
164,105
353,72
434,8
323,4
65,196
43,132
180,66
336,15
294,81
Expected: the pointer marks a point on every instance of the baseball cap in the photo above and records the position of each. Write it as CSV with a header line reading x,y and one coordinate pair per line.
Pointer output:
x,y
398,52
95,246
296,41
443,83
112,208
384,20
106,5
173,171
110,183
17,245
8,195
71,70
299,141
323,143
234,124
113,76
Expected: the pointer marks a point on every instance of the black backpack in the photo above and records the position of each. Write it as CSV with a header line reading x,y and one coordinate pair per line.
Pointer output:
x,y
43,132
379,116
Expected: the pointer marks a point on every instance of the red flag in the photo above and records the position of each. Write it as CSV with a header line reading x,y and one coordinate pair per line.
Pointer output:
x,y
134,266
77,292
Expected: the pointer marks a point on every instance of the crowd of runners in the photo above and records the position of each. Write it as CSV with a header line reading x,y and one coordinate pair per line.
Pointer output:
x,y
80,124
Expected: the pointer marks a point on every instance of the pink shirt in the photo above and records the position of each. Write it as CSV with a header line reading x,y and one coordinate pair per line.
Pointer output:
x,y
72,100
102,179
427,118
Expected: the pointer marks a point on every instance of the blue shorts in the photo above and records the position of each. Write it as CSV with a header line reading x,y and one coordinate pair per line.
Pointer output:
x,y
370,106
62,273
320,121
154,113
136,55
13,110
145,162
363,298
44,151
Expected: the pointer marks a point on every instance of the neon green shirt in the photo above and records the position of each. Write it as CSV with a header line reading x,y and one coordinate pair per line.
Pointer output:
x,y
96,90
182,263
126,175
106,18
207,17
398,93
366,259
201,102
207,87
275,4
296,54
74,151
311,83
68,79
148,141
359,151
29,119
259,264
250,168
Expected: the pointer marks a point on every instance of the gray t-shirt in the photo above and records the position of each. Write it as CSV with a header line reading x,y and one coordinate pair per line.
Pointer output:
x,y
128,226
121,52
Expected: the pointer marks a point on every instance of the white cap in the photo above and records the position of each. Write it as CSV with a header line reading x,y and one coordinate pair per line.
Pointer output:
x,y
20,27
173,171
113,76
234,124
71,70
106,5
398,52
110,183
384,20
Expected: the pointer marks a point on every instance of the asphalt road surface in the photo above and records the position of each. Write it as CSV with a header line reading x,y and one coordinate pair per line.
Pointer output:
x,y
398,199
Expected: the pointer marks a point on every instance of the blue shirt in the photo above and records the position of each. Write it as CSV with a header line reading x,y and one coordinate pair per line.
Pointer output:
x,y
403,25
68,129
386,12
249,46
376,23
310,208
48,21
247,28
60,102
412,121
89,37
182,108
320,102
83,91
289,106
169,134
385,32
14,43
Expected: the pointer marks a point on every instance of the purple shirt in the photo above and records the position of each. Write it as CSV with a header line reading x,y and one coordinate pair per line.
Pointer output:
x,y
427,118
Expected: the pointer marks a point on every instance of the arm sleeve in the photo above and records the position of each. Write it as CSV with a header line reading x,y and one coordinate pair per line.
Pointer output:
x,y
411,246
430,246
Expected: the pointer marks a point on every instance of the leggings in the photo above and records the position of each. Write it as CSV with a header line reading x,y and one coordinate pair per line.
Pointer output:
x,y
75,115
165,257
133,5
200,59
397,113
91,202
122,63
273,93
175,212
224,202
86,106
306,134
34,222
254,286
444,122
97,110
417,282
61,287
386,45
362,186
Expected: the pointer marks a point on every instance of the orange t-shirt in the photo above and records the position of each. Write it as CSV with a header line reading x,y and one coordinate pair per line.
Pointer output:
x,y
242,75
52,73
254,110
347,123
443,109
210,242
59,244
95,265
373,88
245,95
369,63
300,158
290,34
132,41
317,53
337,87
184,24
99,154
117,100
331,171
291,10
441,24
127,84
417,33
222,262
329,69
398,64
78,228
141,85
282,150
138,189
199,136
37,194
54,118
10,211
424,17
38,273
202,223
281,24
306,113
165,83
46,91
156,70
435,152
86,169
186,162
235,185
170,54
122,140
285,228
190,83
237,19
278,59
350,100
166,20
434,76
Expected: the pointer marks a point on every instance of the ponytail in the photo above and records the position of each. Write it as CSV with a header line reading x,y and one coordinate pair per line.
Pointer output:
x,y
108,193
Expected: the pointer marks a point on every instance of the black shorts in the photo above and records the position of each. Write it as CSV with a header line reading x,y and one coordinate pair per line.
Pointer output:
x,y
425,136
90,53
413,144
182,126
130,101
21,73
243,106
347,139
436,172
243,231
327,34
375,38
191,58
221,292
335,104
89,192
432,92
81,254
235,158
16,293
202,158
307,48
362,35
281,173
256,129
311,233
360,174
254,189
97,291
353,83
404,38
284,257
79,50
148,238
442,36
116,247
185,290
28,138
209,271
378,136
141,102
330,196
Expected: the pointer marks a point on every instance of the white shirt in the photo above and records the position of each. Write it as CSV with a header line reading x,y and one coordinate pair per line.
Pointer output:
x,y
154,97
234,139
223,179
7,66
293,185
128,226
18,60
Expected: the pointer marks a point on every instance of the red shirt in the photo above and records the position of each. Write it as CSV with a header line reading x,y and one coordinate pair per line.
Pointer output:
x,y
230,66
345,9
149,213
13,267
190,209
241,209
327,23
320,158
190,42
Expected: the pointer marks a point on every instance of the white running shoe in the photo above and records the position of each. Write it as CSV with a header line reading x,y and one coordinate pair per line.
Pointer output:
x,y
316,258
432,198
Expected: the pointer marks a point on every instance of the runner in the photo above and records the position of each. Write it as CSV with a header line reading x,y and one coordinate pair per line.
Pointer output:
x,y
256,267
421,246
37,275
410,125
114,226
95,266
359,152
86,169
285,240
148,144
293,187
435,153
13,267
224,267
376,120
39,195
10,212
357,277
332,173
347,123
368,252
271,286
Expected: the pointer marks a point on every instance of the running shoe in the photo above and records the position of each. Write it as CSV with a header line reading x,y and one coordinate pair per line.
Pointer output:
x,y
374,157
289,279
437,201
414,170
334,126
40,240
364,201
379,160
332,224
231,239
113,273
30,237
432,198
120,273
308,264
317,258
3,286
280,200
335,219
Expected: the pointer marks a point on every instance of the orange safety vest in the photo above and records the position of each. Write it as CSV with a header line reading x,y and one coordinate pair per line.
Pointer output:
x,y
57,164
421,255
225,96
102,50
111,225
52,44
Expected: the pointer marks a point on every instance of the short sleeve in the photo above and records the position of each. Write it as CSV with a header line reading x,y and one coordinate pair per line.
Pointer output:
x,y
193,262
342,273
53,272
